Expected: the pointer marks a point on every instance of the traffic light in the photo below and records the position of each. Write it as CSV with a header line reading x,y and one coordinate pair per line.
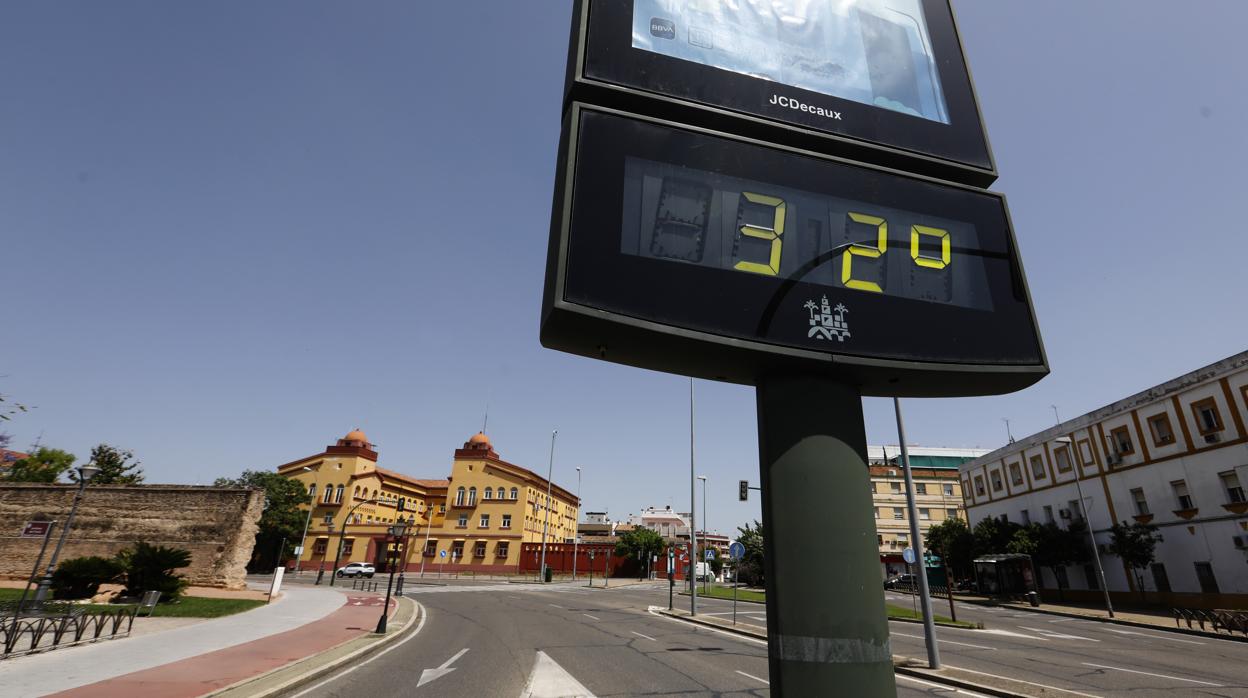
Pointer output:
x,y
745,490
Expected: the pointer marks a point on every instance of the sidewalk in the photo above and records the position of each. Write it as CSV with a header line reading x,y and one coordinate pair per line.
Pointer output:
x,y
1143,618
196,659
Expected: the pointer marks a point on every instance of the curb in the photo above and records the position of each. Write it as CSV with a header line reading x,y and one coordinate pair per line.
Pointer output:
x,y
1116,621
898,668
317,672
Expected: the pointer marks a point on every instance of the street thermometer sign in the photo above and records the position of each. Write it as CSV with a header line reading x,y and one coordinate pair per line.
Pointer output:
x,y
790,195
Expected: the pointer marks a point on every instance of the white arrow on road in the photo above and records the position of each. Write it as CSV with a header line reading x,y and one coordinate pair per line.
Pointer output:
x,y
549,680
430,674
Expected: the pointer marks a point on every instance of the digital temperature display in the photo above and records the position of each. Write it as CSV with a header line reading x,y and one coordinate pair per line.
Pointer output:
x,y
722,222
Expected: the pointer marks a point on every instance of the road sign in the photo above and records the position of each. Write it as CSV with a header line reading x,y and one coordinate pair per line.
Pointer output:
x,y
736,551
710,555
36,529
908,556
442,554
298,550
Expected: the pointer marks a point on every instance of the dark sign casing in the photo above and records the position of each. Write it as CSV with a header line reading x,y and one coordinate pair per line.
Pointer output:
x,y
36,529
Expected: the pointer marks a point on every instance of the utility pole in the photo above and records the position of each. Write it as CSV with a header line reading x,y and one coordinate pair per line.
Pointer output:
x,y
707,563
929,627
307,519
1087,522
550,469
693,517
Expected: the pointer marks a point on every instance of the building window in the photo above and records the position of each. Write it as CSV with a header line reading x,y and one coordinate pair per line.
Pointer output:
x,y
979,485
1159,425
463,521
318,548
948,490
479,549
506,521
1048,514
895,487
1121,441
1089,573
312,491
1076,512
1141,504
1037,467
338,494
899,513
487,493
925,514
348,546
1160,579
472,496
903,539
880,541
515,493
1181,494
1026,517
431,548
457,550
995,476
1016,474
329,494
1234,491
1062,456
920,488
485,521
1208,419
877,512
441,508
500,550
459,497
1204,574
1062,581
951,514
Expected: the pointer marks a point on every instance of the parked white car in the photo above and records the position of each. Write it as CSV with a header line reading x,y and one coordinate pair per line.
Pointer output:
x,y
356,569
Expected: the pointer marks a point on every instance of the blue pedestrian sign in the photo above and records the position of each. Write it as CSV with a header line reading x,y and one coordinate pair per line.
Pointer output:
x,y
908,556
736,551
709,555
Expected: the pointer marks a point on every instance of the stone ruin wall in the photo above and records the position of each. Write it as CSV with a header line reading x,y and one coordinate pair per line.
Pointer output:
x,y
216,524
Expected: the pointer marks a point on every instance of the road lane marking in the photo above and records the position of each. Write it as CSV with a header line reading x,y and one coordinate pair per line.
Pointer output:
x,y
423,616
1149,673
555,605
1030,683
903,677
438,672
1155,637
589,616
549,680
1060,636
645,636
1010,633
950,642
753,677
736,636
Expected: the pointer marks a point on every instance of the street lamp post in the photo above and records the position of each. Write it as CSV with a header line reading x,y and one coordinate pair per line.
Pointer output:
x,y
550,469
85,473
1083,508
396,534
705,582
307,520
693,517
576,533
329,535
428,528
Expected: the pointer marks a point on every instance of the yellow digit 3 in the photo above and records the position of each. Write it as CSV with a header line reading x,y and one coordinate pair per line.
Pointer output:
x,y
859,250
772,267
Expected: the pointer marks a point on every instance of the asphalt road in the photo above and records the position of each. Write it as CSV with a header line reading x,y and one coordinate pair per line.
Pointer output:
x,y
497,638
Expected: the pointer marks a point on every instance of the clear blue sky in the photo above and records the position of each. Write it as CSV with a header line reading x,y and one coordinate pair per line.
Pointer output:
x,y
231,232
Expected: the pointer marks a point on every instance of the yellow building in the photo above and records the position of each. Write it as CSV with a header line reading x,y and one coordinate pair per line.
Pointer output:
x,y
476,519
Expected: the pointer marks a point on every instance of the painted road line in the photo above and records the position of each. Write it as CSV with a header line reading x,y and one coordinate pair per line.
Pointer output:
x,y
1155,637
1060,636
555,605
1010,633
765,681
1149,673
949,642
644,635
738,636
947,687
1029,683
549,680
424,615
589,616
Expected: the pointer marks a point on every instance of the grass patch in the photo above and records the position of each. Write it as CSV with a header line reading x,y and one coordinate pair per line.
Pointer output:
x,y
185,607
901,612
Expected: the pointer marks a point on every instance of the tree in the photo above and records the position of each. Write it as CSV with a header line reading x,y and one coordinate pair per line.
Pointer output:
x,y
44,465
1136,545
114,465
282,517
1052,546
750,567
953,541
993,536
640,544
81,577
8,407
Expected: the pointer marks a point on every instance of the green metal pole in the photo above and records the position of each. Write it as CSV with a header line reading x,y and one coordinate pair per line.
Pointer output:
x,y
826,623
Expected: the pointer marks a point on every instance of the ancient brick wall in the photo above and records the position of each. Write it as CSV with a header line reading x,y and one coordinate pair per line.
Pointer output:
x,y
217,524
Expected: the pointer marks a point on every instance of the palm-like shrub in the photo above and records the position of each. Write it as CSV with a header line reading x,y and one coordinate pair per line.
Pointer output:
x,y
81,577
153,568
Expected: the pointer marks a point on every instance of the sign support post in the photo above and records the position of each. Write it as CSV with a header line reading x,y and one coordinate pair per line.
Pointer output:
x,y
825,612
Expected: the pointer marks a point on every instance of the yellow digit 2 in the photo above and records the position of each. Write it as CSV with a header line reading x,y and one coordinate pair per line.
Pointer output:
x,y
916,232
772,267
859,250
